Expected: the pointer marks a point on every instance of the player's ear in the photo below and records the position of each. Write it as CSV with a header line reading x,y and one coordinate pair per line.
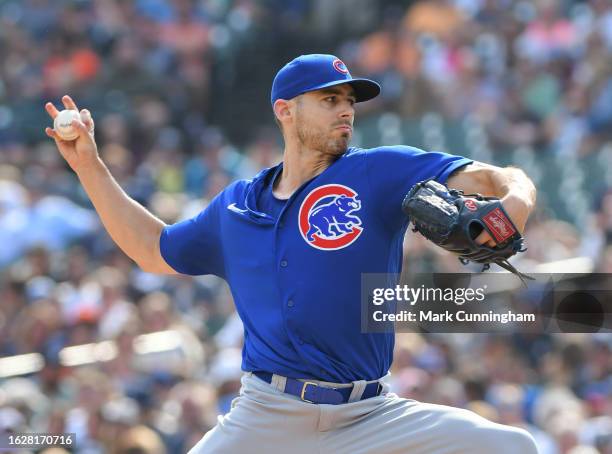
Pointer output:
x,y
282,110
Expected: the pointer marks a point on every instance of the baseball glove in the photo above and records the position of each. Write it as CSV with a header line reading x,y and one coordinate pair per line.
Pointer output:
x,y
453,220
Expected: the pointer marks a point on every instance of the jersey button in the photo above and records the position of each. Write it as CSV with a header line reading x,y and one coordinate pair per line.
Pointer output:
x,y
290,303
283,263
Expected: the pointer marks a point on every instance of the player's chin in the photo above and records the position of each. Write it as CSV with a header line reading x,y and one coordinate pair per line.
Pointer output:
x,y
340,145
345,135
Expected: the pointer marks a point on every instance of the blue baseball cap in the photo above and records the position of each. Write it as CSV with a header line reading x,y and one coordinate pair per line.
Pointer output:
x,y
315,71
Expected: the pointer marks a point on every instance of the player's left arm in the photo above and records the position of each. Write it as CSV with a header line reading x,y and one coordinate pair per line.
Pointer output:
x,y
510,184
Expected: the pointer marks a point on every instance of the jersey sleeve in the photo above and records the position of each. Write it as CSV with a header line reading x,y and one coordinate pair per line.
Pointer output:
x,y
392,171
194,246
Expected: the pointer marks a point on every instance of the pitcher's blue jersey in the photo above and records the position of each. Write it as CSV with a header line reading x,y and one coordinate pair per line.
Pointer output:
x,y
295,272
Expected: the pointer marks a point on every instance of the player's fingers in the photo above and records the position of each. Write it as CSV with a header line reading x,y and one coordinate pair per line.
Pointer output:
x,y
51,133
80,127
87,119
51,110
69,103
55,136
483,238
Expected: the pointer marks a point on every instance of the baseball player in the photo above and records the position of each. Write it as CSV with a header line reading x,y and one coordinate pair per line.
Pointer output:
x,y
292,243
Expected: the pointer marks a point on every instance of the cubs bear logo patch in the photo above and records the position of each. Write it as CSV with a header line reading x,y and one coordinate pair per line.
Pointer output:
x,y
328,219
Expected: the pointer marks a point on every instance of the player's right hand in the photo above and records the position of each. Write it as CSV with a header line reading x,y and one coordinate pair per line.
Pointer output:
x,y
82,151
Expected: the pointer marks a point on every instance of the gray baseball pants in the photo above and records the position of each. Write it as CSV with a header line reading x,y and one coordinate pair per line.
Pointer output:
x,y
264,420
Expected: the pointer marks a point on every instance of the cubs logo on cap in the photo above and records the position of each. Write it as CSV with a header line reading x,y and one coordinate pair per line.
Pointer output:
x,y
340,66
328,218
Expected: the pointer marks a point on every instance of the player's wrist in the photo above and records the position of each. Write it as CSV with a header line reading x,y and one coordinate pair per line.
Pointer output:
x,y
518,208
90,165
519,201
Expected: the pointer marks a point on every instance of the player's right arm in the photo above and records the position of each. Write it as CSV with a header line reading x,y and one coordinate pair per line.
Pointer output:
x,y
134,229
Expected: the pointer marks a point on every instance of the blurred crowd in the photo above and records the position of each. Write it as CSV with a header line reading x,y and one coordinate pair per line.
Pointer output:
x,y
534,72
178,90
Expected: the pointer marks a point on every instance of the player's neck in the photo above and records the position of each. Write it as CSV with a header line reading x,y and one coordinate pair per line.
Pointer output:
x,y
299,166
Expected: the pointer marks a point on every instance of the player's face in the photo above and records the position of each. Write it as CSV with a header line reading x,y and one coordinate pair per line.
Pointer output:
x,y
324,119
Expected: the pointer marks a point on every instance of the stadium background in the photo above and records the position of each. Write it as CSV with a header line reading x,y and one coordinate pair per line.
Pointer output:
x,y
180,94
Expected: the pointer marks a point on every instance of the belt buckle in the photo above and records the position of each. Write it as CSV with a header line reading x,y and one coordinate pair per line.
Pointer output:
x,y
306,383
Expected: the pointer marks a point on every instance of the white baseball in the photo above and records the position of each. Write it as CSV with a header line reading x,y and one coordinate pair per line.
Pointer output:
x,y
63,124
